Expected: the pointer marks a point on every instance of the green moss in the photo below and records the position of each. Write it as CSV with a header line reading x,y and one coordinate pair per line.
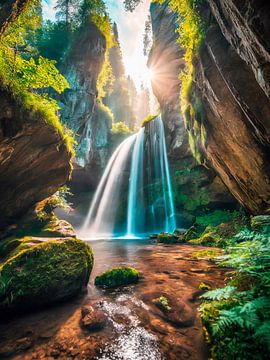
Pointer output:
x,y
216,228
120,128
206,254
148,119
190,192
204,287
217,217
116,277
167,238
163,303
44,272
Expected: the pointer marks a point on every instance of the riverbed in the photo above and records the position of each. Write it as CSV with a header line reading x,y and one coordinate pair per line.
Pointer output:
x,y
136,328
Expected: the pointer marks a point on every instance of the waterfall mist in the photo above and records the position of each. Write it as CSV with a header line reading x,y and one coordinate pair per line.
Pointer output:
x,y
134,197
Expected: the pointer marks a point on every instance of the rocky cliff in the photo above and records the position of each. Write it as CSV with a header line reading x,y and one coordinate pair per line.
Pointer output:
x,y
229,98
34,158
196,187
81,109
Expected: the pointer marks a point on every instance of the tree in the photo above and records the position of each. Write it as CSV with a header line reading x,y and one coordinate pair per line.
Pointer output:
x,y
65,9
116,59
130,5
89,8
147,38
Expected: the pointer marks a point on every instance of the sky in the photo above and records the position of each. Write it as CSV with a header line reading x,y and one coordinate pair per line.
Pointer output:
x,y
130,29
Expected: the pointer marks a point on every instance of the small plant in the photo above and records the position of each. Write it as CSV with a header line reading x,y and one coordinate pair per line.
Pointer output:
x,y
163,302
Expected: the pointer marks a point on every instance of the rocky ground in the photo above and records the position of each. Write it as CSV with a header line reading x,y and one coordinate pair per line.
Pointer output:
x,y
157,318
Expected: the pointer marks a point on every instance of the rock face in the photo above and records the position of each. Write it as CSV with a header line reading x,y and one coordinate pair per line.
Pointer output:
x,y
80,108
230,96
196,187
34,159
166,62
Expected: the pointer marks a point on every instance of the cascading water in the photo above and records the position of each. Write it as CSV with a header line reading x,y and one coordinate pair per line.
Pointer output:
x,y
101,216
149,198
135,213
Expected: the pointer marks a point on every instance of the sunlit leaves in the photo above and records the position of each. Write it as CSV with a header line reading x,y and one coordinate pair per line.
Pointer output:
x,y
40,74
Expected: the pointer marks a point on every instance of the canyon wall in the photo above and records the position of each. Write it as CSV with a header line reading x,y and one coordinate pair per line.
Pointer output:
x,y
229,98
81,109
195,186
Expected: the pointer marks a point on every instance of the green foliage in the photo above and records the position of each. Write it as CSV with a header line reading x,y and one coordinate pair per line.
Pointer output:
x,y
191,31
120,128
105,79
189,190
22,75
237,317
117,277
217,228
52,40
217,217
44,272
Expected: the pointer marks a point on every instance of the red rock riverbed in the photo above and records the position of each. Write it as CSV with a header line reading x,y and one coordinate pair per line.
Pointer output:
x,y
136,328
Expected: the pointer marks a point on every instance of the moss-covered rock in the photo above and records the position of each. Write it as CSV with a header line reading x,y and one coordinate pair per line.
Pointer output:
x,y
39,272
216,228
167,238
117,277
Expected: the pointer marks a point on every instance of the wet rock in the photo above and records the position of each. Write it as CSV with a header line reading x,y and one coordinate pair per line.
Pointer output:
x,y
93,318
171,309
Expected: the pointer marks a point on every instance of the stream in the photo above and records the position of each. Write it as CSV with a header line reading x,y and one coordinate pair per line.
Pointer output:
x,y
136,327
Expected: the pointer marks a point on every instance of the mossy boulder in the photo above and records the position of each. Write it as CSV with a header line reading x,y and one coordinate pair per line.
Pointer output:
x,y
40,272
117,277
167,238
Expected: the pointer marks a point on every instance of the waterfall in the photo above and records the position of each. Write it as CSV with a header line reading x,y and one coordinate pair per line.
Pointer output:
x,y
102,212
148,195
135,213
161,176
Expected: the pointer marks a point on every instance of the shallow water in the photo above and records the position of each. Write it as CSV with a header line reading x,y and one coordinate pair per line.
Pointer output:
x,y
136,328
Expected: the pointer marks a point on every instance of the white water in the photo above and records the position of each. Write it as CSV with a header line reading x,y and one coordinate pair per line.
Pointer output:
x,y
135,213
150,199
100,218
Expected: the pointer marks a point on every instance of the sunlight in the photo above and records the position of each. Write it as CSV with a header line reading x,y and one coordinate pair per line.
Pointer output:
x,y
149,75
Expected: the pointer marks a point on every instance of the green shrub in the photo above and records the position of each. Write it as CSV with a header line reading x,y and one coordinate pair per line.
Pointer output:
x,y
117,277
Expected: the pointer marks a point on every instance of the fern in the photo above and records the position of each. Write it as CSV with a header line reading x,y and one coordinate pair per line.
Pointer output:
x,y
220,294
237,316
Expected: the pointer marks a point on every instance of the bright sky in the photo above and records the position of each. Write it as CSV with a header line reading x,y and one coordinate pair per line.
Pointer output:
x,y
130,28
